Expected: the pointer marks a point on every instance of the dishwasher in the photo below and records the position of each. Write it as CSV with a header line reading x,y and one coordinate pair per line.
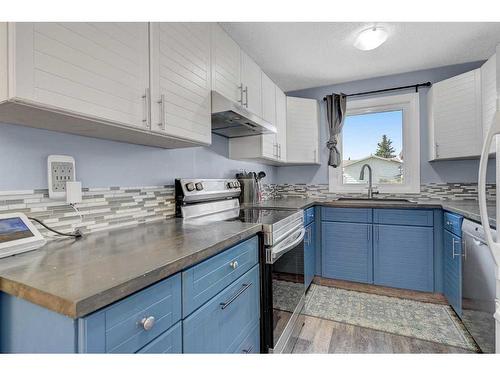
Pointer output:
x,y
478,286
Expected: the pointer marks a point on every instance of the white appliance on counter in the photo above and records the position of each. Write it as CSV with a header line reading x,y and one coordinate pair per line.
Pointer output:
x,y
493,243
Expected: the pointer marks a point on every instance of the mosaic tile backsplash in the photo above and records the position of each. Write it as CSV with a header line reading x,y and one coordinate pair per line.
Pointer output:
x,y
114,207
101,208
431,191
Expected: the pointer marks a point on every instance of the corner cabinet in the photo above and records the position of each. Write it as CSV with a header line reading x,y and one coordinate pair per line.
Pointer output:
x,y
455,124
302,136
93,79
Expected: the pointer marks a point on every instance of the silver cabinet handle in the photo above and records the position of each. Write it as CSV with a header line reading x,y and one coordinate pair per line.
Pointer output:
x,y
233,264
148,323
244,287
453,249
275,150
245,90
247,351
240,100
279,148
163,121
436,148
147,105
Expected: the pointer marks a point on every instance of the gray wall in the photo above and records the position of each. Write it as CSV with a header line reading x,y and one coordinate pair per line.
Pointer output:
x,y
101,163
442,171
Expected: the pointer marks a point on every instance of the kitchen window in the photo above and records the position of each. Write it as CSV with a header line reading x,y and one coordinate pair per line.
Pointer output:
x,y
382,132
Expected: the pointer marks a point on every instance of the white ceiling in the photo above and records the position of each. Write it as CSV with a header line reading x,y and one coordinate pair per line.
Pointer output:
x,y
303,55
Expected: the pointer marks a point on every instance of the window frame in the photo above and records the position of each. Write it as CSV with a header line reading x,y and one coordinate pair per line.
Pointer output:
x,y
409,104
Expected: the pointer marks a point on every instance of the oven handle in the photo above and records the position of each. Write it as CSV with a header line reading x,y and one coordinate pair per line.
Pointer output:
x,y
277,252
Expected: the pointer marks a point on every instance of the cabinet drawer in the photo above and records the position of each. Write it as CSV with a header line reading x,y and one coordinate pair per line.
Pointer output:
x,y
309,216
453,223
349,215
422,218
168,342
251,343
205,280
118,329
222,323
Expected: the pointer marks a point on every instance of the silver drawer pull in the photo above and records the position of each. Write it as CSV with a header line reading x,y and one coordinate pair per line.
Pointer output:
x,y
247,351
223,305
148,323
234,264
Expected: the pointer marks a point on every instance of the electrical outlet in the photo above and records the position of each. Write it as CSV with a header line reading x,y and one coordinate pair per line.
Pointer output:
x,y
61,169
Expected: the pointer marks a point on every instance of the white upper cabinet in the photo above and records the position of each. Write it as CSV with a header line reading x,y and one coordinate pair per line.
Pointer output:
x,y
281,124
226,65
180,80
488,95
269,141
302,131
99,70
251,84
455,126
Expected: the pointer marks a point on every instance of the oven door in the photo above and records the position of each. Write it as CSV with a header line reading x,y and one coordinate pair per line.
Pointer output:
x,y
285,286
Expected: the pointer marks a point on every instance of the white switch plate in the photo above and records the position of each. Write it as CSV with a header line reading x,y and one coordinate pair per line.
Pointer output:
x,y
60,169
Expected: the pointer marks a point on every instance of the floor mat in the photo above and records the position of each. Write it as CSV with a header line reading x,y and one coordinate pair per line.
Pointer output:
x,y
422,320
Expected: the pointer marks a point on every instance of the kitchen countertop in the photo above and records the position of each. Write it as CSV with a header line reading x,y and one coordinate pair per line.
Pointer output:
x,y
468,209
78,277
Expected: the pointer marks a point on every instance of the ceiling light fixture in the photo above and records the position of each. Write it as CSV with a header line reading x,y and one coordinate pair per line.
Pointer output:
x,y
370,38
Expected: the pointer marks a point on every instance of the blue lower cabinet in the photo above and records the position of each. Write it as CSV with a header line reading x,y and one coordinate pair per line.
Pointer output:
x,y
221,325
309,254
452,283
169,342
403,257
347,251
128,325
251,343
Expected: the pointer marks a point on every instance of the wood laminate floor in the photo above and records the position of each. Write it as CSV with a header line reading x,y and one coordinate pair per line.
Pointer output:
x,y
326,336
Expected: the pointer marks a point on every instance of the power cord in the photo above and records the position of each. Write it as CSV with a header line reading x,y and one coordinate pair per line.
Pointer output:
x,y
76,234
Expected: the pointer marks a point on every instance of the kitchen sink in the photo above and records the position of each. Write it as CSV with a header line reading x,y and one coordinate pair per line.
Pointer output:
x,y
381,200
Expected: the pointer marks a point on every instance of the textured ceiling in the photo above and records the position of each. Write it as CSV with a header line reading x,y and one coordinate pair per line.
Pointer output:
x,y
303,55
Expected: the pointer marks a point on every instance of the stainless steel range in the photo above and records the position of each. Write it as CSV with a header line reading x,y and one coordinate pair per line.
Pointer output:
x,y
201,201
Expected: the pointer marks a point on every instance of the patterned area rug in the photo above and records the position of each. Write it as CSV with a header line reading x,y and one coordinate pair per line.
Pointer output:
x,y
421,320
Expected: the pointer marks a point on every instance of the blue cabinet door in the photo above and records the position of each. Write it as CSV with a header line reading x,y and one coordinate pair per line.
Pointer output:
x,y
221,325
347,251
403,257
453,270
309,254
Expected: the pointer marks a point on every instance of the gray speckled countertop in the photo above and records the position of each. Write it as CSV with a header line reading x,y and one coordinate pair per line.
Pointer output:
x,y
468,209
78,277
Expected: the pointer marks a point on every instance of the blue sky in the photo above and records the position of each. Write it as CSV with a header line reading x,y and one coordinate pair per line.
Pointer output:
x,y
361,133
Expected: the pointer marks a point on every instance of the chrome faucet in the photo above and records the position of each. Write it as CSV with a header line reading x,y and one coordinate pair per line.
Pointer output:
x,y
370,180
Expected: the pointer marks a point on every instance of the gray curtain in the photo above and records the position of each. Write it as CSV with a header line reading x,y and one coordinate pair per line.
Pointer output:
x,y
335,114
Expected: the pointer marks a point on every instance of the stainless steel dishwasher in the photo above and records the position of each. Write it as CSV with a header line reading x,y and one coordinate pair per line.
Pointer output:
x,y
478,286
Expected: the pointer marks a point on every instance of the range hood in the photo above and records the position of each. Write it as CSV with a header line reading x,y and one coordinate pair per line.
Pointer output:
x,y
231,120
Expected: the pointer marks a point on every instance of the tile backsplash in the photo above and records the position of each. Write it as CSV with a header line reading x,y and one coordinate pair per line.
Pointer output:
x,y
101,208
114,207
431,191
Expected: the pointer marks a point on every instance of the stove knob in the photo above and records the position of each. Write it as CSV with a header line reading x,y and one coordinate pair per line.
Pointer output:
x,y
190,186
230,185
237,184
199,186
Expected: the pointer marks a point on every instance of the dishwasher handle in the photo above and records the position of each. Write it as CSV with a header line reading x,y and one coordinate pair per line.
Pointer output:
x,y
483,164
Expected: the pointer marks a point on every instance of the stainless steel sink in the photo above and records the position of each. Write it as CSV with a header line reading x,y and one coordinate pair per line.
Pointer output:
x,y
377,200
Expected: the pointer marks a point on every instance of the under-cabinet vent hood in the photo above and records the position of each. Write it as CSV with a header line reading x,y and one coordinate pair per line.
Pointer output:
x,y
232,120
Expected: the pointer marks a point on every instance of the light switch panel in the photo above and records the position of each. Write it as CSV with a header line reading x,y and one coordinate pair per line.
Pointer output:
x,y
61,169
